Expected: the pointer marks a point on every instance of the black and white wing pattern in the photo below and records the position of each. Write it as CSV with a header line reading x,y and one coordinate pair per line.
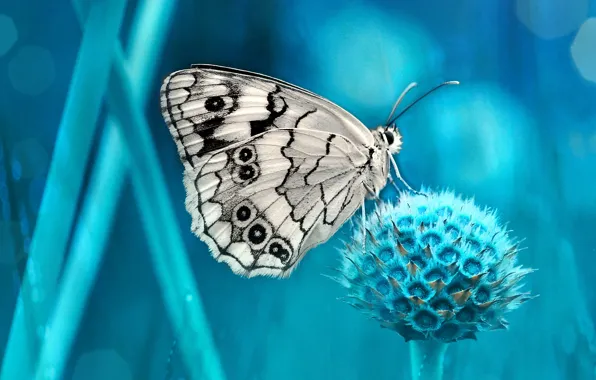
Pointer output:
x,y
271,170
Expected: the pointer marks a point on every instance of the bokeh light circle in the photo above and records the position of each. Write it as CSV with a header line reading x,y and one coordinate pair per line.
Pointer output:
x,y
366,67
32,70
8,34
553,18
583,50
101,365
481,136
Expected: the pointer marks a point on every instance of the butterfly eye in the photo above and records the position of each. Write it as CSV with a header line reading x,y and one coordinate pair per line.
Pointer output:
x,y
390,137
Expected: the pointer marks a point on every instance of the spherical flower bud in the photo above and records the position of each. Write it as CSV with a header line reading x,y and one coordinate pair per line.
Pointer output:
x,y
434,267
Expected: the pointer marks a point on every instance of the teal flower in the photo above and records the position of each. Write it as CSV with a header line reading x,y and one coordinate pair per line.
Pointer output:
x,y
434,267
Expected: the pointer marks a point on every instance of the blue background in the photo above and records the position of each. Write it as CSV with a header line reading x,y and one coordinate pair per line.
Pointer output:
x,y
518,135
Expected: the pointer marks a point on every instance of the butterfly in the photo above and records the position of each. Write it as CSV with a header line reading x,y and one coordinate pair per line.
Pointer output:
x,y
271,170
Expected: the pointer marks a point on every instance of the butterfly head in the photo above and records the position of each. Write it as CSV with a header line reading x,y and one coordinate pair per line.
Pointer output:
x,y
389,137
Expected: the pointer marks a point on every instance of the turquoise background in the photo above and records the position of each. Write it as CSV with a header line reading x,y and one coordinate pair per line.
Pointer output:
x,y
99,271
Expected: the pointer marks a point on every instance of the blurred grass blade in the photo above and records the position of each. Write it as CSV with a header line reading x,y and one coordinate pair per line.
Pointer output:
x,y
83,262
175,278
170,260
65,177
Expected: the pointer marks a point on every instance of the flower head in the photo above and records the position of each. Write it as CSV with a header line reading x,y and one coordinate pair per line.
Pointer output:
x,y
434,267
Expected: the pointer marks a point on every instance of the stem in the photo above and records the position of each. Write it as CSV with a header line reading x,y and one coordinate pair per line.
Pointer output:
x,y
426,358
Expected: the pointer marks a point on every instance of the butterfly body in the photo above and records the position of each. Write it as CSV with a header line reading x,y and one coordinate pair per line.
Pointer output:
x,y
270,169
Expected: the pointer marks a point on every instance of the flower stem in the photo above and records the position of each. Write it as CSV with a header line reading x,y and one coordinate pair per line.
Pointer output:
x,y
426,358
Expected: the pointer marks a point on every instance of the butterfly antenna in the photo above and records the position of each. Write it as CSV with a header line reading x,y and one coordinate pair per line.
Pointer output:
x,y
420,98
401,97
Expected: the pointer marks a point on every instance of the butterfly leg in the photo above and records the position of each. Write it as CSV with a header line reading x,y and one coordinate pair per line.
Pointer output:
x,y
390,179
398,174
378,200
372,193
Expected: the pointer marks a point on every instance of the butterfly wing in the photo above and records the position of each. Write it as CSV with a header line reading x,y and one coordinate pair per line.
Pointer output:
x,y
262,204
271,170
209,107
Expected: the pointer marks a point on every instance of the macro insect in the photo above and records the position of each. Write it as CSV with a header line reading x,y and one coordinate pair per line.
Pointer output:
x,y
270,169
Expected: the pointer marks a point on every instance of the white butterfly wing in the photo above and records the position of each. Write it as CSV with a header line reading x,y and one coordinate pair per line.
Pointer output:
x,y
208,107
261,205
267,176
